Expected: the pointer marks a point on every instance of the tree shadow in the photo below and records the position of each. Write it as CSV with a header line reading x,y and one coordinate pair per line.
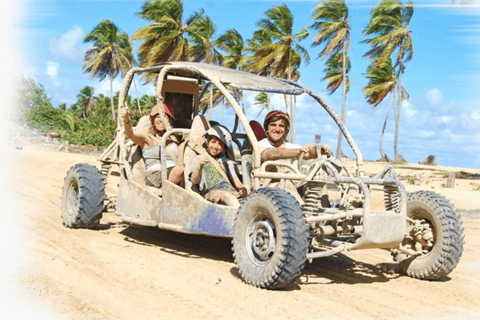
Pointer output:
x,y
181,244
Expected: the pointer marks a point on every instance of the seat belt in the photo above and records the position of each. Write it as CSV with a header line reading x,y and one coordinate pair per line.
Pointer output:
x,y
200,150
170,152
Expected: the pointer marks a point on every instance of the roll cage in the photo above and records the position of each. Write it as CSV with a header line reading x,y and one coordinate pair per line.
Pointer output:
x,y
220,77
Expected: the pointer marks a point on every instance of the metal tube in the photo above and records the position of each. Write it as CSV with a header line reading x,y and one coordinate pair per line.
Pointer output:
x,y
331,230
335,216
327,253
163,153
342,127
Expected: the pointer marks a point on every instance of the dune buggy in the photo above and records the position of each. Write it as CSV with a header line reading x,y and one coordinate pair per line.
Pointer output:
x,y
273,234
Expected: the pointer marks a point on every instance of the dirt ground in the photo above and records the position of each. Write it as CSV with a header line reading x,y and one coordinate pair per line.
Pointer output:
x,y
126,272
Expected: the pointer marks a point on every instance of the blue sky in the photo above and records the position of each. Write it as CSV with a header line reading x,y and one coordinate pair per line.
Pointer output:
x,y
442,117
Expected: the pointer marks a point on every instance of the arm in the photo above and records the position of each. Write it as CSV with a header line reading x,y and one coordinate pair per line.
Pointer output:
x,y
239,186
197,166
234,179
285,153
139,139
279,154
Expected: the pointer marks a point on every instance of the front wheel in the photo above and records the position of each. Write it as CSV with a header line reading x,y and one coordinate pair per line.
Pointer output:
x,y
82,197
435,230
270,239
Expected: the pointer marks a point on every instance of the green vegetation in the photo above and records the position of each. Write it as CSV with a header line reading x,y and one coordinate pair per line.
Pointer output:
x,y
275,49
411,181
476,186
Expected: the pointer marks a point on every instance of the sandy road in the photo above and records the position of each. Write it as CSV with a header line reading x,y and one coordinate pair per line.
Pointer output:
x,y
127,272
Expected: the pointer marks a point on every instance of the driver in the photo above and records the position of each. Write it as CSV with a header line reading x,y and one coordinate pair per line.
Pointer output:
x,y
275,147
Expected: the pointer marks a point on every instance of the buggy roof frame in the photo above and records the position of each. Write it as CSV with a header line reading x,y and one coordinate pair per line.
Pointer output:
x,y
221,77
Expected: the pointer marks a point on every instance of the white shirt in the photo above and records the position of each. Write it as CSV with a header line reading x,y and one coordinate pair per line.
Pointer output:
x,y
266,144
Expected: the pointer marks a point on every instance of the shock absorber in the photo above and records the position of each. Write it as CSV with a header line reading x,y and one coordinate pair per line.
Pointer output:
x,y
391,197
315,198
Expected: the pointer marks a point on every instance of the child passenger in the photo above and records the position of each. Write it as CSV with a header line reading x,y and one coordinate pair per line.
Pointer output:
x,y
214,173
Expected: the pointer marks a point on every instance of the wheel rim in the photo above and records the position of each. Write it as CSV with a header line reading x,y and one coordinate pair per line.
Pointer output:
x,y
72,198
261,240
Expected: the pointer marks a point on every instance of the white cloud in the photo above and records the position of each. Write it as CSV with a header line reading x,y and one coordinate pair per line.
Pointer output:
x,y
434,97
52,69
69,46
445,119
408,108
104,86
475,115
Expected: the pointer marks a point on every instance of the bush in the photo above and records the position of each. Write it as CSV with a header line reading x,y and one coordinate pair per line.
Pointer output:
x,y
94,130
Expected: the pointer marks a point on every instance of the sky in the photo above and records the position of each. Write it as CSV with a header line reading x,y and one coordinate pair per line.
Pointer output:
x,y
442,117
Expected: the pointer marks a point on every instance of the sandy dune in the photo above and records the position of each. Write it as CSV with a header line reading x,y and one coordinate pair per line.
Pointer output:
x,y
128,272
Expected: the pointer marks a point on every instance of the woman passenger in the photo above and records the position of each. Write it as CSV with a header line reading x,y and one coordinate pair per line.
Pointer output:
x,y
150,145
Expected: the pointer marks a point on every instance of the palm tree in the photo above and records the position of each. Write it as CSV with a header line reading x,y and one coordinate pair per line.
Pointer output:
x,y
333,26
164,39
381,83
231,42
281,53
203,48
102,104
258,41
390,23
86,100
110,55
334,73
253,45
147,102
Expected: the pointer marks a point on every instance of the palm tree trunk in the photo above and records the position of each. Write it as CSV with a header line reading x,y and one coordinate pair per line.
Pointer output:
x,y
383,156
111,99
136,93
344,106
290,111
398,156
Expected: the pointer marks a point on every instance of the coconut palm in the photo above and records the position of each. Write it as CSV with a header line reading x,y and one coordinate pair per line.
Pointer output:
x,y
278,54
381,83
231,42
147,102
102,104
203,48
390,30
281,53
334,73
333,29
110,55
263,100
165,38
86,99
253,45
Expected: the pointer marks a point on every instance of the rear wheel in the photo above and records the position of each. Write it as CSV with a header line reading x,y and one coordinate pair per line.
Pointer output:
x,y
270,239
436,230
82,197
